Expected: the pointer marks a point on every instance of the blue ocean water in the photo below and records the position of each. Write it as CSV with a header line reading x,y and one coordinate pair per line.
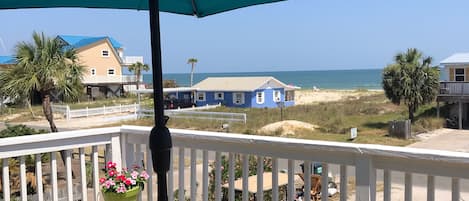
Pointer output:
x,y
324,79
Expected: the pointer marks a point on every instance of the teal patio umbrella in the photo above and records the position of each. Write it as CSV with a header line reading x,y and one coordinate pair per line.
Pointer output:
x,y
160,138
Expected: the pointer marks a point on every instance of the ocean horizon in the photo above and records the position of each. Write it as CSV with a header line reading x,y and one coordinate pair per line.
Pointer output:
x,y
322,79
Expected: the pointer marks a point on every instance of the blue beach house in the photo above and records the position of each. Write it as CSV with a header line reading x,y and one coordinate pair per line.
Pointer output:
x,y
254,92
6,62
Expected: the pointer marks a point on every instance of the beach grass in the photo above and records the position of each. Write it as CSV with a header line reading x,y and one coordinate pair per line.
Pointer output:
x,y
370,114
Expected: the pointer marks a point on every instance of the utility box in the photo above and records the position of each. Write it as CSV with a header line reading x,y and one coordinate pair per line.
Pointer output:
x,y
400,129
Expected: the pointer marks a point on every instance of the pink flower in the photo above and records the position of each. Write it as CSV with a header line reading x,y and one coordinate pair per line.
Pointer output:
x,y
112,173
144,175
134,174
121,189
110,165
119,181
109,183
120,177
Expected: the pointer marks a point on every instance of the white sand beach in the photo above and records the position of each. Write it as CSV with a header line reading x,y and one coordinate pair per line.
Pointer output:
x,y
317,96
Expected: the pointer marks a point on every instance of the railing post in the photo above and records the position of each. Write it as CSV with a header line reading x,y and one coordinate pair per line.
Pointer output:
x,y
136,110
462,88
67,113
86,111
116,150
365,179
120,108
104,109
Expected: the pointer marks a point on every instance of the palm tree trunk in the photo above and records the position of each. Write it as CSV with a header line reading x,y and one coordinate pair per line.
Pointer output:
x,y
192,73
138,80
46,107
28,102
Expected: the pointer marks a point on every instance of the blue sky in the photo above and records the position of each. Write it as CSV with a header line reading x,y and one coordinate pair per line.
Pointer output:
x,y
290,35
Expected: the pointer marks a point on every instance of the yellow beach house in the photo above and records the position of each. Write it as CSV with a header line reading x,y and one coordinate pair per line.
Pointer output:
x,y
103,58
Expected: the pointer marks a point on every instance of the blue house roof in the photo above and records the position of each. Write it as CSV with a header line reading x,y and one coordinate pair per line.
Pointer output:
x,y
81,41
7,60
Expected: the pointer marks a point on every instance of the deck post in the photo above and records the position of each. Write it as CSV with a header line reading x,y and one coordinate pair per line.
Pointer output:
x,y
365,179
437,109
116,154
460,114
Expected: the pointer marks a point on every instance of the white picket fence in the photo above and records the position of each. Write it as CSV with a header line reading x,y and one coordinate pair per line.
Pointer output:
x,y
220,116
86,112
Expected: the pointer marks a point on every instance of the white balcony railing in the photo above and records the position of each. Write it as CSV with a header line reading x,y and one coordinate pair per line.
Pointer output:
x,y
454,88
127,145
110,79
129,60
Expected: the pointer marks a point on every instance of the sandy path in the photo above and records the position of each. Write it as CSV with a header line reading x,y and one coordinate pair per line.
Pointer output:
x,y
80,123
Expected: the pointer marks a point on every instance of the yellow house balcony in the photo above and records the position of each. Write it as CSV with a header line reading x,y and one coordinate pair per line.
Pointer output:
x,y
116,79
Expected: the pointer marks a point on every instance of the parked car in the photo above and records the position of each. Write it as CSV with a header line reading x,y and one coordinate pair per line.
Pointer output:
x,y
177,103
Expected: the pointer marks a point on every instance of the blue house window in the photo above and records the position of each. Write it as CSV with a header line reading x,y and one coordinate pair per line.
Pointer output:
x,y
276,96
260,97
219,96
238,98
200,96
289,95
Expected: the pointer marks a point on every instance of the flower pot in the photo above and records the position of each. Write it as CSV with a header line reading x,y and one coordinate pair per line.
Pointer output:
x,y
130,195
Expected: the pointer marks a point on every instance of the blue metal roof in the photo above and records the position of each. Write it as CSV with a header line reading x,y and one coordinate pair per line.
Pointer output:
x,y
81,41
7,60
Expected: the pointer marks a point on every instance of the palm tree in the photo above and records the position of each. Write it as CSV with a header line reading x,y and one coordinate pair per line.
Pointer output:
x,y
411,79
44,66
137,69
192,61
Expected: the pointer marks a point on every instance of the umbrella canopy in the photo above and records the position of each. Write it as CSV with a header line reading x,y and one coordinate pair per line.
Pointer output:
x,y
199,8
160,138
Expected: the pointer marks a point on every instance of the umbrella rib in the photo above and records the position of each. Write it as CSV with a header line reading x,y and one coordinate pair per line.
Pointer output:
x,y
194,8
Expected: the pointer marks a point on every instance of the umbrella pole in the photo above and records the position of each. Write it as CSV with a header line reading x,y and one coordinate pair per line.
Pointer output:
x,y
160,138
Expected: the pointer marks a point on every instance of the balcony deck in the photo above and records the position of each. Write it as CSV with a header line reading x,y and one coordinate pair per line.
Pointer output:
x,y
453,92
117,79
364,164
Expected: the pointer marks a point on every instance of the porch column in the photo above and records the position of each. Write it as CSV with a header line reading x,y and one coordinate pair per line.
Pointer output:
x,y
365,182
437,109
460,114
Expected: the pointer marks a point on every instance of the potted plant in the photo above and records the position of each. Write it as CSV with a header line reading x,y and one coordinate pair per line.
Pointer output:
x,y
122,185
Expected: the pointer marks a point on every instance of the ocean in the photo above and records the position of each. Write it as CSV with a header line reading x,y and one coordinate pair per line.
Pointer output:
x,y
322,79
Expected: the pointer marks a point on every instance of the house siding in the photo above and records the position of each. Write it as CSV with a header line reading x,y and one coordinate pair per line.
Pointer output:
x,y
268,98
227,100
268,86
451,74
249,99
91,58
451,71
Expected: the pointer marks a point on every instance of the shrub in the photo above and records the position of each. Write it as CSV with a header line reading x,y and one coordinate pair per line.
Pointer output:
x,y
19,130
